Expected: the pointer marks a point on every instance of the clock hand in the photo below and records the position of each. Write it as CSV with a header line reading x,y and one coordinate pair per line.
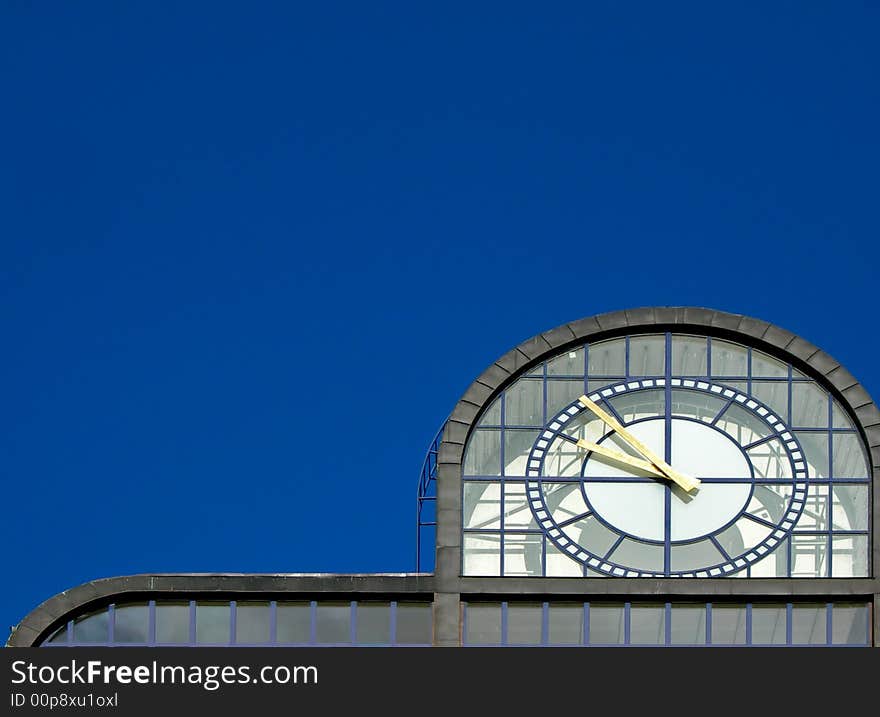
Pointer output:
x,y
687,483
621,457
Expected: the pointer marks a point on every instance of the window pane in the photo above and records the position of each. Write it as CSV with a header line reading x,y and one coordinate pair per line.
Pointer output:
x,y
607,358
492,415
92,628
729,359
694,404
809,556
373,623
809,405
560,565
808,624
566,624
570,363
606,624
774,565
850,507
561,392
694,556
212,622
640,404
483,455
172,622
59,636
132,624
849,624
517,444
815,515
524,623
768,624
482,505
483,624
647,356
637,555
524,403
689,356
850,556
252,623
647,624
728,624
522,554
517,513
482,554
815,447
849,460
414,623
688,624
333,623
774,394
293,621
766,367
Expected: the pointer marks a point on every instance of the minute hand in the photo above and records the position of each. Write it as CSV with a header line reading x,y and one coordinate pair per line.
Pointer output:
x,y
687,483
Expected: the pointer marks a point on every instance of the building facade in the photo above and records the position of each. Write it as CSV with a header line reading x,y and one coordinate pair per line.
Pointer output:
x,y
657,476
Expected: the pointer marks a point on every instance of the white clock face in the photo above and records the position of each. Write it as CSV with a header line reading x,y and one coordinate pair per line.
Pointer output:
x,y
620,520
688,456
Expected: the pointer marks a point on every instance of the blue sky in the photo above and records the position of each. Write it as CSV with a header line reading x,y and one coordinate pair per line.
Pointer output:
x,y
252,254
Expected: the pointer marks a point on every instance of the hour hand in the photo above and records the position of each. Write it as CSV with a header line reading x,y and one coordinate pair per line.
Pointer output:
x,y
621,457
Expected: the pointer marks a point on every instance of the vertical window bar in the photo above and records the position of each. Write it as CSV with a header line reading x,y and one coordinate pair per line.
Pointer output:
x,y
111,623
70,632
393,621
586,635
151,624
788,615
667,497
464,621
748,623
543,555
708,623
273,622
626,368
708,356
504,623
352,623
192,622
749,370
544,392
545,623
626,623
829,544
501,473
829,610
667,628
233,620
586,368
313,622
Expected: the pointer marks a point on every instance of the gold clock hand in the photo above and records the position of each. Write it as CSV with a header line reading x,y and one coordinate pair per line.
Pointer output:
x,y
621,457
687,483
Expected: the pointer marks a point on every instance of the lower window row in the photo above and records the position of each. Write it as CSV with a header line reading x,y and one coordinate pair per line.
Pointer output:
x,y
209,622
624,623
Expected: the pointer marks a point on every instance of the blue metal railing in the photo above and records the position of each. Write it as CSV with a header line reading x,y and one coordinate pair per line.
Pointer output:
x,y
426,504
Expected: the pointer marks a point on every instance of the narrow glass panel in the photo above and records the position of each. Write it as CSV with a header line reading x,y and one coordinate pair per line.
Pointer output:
x,y
849,623
132,624
689,355
743,535
849,459
647,355
607,358
213,620
839,418
774,565
566,624
688,624
815,447
561,392
524,623
809,556
606,624
850,556
560,564
524,403
773,394
639,556
333,623
92,628
770,502
522,554
770,460
482,505
694,404
694,556
728,624
293,622
373,623
640,404
764,366
568,363
850,507
768,624
172,622
517,445
492,415
742,425
414,623
808,624
564,500
729,359
483,453
809,406
815,515
482,554
591,534
252,623
517,513
483,624
647,624
59,636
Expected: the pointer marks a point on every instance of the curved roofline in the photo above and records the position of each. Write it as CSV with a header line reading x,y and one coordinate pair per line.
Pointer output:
x,y
40,622
737,327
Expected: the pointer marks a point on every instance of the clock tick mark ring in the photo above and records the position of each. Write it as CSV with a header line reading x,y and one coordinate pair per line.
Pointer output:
x,y
779,530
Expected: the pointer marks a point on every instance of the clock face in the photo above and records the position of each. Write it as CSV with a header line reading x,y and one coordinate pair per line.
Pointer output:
x,y
665,455
620,519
